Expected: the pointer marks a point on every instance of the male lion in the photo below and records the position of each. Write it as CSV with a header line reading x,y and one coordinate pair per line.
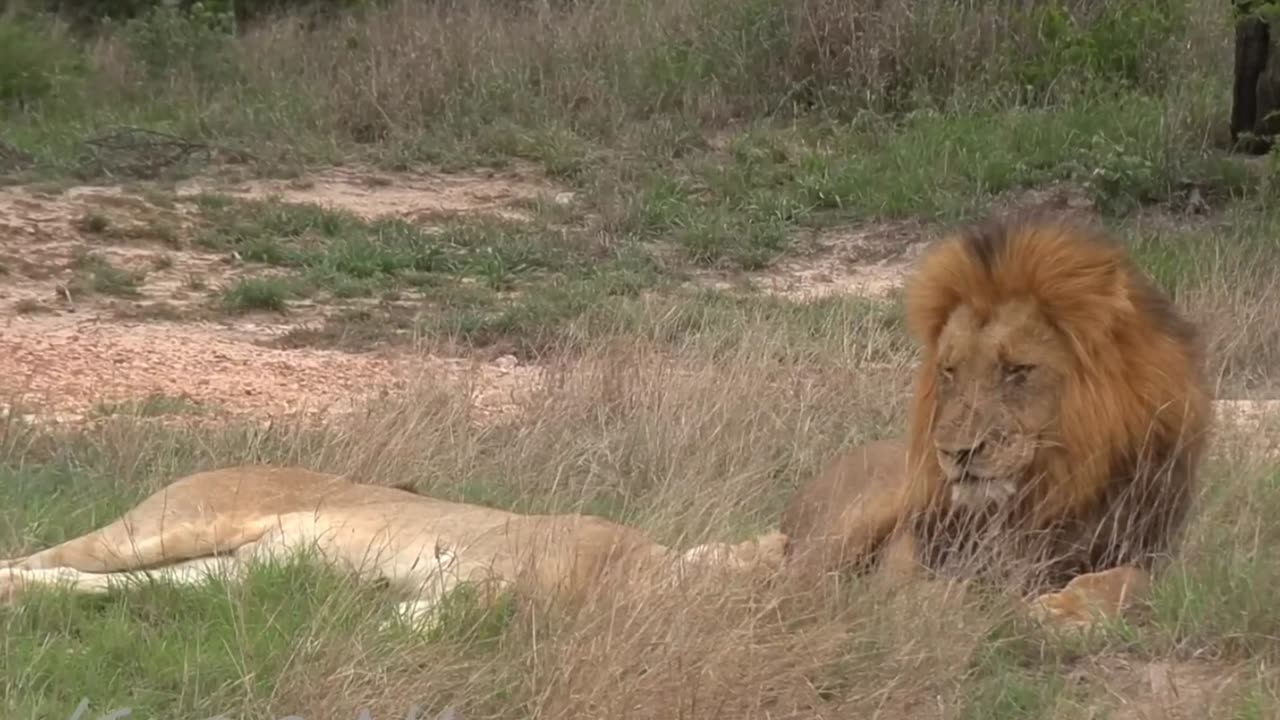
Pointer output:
x,y
1059,418
421,547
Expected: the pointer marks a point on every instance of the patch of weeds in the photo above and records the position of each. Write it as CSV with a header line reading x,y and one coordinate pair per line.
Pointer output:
x,y
210,201
94,223
154,228
162,311
96,274
165,199
494,269
282,613
251,294
349,257
1260,700
718,235
197,41
550,211
163,232
740,205
50,501
35,62
538,320
714,318
233,224
355,330
472,616
559,316
1218,596
353,258
561,152
195,282
29,306
743,232
50,189
1010,680
153,405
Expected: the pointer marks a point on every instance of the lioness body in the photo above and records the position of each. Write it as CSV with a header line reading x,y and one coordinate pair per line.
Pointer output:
x,y
420,546
1058,421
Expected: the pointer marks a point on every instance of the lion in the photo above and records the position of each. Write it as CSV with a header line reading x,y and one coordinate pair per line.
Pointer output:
x,y
418,547
1060,413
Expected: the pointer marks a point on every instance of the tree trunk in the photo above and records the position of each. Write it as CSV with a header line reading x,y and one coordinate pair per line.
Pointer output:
x,y
1255,97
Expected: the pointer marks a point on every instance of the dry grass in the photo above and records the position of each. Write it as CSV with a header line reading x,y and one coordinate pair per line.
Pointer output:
x,y
413,81
661,436
710,61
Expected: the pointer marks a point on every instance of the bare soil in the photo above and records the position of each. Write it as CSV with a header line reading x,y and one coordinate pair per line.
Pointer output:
x,y
869,260
418,197
65,351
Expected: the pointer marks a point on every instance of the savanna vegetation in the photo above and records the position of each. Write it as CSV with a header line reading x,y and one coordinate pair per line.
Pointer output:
x,y
694,136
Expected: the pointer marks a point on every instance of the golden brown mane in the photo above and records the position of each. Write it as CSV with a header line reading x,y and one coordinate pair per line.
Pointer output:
x,y
1115,485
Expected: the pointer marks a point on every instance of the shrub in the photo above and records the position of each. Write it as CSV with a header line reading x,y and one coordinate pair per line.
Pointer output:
x,y
34,61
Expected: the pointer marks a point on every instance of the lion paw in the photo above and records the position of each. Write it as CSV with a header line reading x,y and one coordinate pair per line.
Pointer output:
x,y
765,551
1092,598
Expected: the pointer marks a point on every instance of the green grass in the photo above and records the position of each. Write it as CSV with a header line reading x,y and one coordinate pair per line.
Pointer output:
x,y
94,273
251,294
934,165
222,647
350,256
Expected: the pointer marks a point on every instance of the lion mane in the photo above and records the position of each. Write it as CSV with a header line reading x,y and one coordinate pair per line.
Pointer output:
x,y
1109,476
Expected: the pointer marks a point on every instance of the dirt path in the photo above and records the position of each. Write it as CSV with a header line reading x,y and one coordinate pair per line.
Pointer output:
x,y
69,348
69,368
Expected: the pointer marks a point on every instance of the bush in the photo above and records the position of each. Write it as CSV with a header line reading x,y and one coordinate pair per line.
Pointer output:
x,y
34,61
92,12
197,38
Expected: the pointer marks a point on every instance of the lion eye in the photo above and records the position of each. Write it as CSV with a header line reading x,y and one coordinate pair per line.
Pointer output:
x,y
1015,372
947,372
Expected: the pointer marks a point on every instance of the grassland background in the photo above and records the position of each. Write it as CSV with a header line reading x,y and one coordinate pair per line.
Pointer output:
x,y
697,134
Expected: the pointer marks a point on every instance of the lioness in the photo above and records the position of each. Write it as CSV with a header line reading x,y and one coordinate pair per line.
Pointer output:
x,y
422,547
1059,418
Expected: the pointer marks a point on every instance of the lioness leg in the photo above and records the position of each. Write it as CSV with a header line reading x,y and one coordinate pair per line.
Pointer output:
x,y
119,547
854,510
201,514
192,572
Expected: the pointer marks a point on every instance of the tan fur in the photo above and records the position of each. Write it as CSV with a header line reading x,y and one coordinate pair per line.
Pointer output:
x,y
1059,418
421,546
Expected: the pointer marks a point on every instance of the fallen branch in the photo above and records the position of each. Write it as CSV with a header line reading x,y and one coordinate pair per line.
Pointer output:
x,y
139,152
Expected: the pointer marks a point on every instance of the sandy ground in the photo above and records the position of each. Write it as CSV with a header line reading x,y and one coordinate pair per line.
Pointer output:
x,y
65,354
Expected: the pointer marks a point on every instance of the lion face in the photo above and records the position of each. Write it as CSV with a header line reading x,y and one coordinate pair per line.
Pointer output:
x,y
998,390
